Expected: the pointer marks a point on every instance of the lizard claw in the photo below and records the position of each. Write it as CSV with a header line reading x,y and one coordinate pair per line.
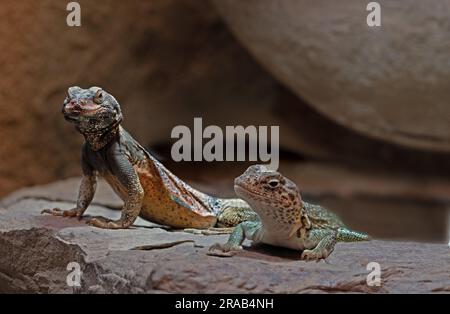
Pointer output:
x,y
98,222
104,223
54,211
74,212
314,255
223,250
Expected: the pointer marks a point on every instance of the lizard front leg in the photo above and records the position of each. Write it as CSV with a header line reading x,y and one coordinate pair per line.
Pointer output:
x,y
128,178
326,241
85,195
245,230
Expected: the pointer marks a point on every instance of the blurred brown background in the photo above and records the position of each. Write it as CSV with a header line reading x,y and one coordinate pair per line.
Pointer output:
x,y
379,160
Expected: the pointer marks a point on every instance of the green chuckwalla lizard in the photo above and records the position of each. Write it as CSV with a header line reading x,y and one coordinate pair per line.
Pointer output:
x,y
147,188
285,220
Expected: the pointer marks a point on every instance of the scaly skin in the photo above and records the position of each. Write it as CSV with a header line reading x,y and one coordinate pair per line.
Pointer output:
x,y
147,188
285,220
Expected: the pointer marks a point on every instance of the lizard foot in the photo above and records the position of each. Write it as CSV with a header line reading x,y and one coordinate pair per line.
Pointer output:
x,y
74,212
224,250
104,223
209,231
315,255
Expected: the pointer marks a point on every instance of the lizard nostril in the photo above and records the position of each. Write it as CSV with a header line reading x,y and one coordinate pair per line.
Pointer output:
x,y
73,105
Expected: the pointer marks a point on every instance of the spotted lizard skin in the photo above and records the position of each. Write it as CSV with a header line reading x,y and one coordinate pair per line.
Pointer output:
x,y
285,220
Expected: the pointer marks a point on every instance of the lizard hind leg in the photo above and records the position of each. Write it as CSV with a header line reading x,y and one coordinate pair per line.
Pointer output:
x,y
325,246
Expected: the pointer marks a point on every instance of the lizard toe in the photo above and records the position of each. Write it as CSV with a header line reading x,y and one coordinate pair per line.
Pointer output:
x,y
114,225
98,222
53,211
71,213
223,250
310,255
104,223
314,255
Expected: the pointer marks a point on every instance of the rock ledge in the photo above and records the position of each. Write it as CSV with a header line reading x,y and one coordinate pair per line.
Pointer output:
x,y
36,250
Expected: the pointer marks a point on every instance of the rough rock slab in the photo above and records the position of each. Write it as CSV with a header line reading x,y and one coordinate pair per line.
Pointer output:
x,y
36,249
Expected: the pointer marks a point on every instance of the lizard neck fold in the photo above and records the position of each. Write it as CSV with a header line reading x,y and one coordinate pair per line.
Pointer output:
x,y
98,140
303,225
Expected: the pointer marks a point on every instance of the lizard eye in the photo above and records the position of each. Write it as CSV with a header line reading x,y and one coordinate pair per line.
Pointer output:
x,y
98,98
273,183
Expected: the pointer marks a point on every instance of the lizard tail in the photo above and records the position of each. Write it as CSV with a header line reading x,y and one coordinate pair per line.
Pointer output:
x,y
347,235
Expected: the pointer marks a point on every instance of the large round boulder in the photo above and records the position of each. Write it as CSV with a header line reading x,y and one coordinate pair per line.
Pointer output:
x,y
390,82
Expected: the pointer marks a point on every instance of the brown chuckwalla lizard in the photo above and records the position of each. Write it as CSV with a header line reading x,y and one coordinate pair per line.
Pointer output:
x,y
147,188
285,219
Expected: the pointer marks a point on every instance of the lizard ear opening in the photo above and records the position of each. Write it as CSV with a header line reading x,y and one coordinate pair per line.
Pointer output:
x,y
119,116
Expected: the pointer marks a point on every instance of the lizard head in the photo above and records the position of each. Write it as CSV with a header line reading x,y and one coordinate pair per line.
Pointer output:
x,y
270,194
92,110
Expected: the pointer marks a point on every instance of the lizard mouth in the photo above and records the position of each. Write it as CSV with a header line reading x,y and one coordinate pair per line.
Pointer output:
x,y
70,118
243,190
72,114
91,111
